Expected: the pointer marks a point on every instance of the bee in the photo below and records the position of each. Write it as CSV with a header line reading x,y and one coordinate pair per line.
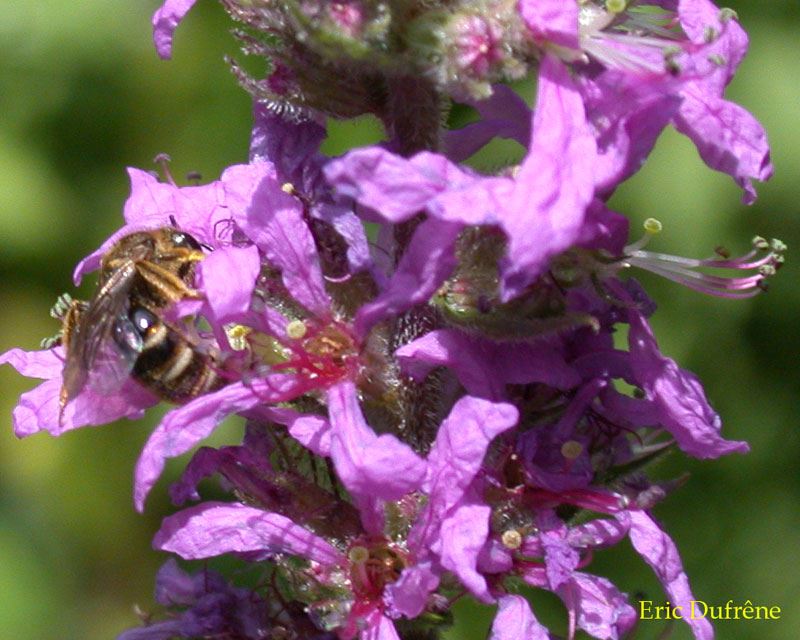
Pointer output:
x,y
119,332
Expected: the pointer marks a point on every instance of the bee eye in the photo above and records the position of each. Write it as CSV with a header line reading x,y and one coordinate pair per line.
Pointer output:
x,y
181,239
142,320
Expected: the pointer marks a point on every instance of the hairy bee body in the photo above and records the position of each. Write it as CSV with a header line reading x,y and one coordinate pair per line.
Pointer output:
x,y
168,362
121,333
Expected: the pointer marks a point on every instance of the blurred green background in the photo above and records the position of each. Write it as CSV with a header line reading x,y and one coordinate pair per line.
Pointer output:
x,y
83,95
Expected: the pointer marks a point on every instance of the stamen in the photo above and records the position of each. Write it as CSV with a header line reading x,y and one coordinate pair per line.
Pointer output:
x,y
163,160
694,273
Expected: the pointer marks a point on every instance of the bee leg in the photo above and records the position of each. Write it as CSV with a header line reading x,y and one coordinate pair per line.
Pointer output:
x,y
165,284
70,318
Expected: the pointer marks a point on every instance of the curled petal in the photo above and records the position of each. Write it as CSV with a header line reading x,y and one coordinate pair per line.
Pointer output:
x,y
660,552
367,464
165,21
184,427
677,395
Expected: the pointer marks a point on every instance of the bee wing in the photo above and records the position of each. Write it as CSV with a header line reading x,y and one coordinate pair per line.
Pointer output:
x,y
94,334
115,356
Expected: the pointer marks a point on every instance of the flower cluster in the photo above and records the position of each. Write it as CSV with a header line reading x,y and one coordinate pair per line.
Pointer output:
x,y
443,408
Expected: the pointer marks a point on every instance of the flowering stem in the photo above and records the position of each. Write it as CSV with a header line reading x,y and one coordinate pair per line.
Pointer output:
x,y
413,114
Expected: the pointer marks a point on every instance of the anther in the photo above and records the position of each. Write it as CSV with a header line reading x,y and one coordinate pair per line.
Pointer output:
x,y
511,539
296,329
571,449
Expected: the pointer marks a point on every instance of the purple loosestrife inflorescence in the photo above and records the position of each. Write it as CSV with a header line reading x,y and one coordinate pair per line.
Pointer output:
x,y
444,410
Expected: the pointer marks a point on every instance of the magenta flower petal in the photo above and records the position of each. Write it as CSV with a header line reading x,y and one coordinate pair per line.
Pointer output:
x,y
555,184
162,630
552,21
660,552
430,258
43,364
184,427
461,444
313,432
367,464
408,596
602,610
678,396
165,21
38,409
515,621
290,145
215,528
274,221
379,627
598,533
728,138
228,276
484,367
395,188
462,536
455,523
504,114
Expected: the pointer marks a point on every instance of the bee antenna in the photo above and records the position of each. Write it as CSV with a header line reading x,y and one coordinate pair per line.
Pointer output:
x,y
173,221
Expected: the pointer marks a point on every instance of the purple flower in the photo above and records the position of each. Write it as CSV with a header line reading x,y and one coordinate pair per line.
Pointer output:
x,y
38,409
541,209
436,412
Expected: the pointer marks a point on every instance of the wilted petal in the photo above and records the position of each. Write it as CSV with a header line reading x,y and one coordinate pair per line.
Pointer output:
x,y
173,585
660,552
367,464
215,528
515,621
678,396
289,145
165,21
